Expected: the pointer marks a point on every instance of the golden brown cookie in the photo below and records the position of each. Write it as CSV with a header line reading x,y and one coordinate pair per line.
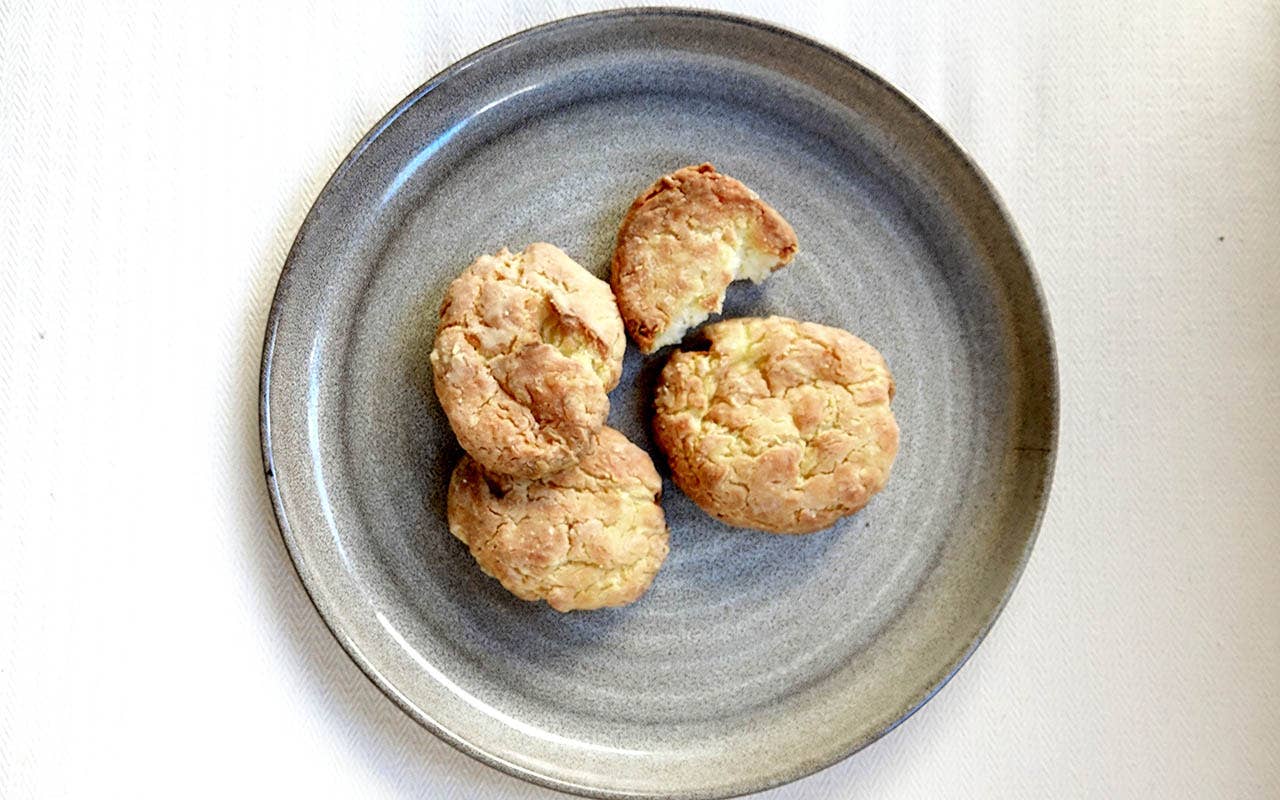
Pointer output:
x,y
683,242
779,425
528,347
591,536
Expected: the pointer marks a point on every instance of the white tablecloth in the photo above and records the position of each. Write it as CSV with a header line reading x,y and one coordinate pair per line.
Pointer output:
x,y
155,163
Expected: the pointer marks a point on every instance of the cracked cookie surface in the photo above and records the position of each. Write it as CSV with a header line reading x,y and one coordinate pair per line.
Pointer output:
x,y
588,537
528,347
681,244
779,425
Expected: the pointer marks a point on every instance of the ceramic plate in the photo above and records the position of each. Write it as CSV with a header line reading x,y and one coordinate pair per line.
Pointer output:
x,y
754,659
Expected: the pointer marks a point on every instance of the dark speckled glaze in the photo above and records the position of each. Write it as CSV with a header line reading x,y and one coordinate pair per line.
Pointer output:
x,y
755,659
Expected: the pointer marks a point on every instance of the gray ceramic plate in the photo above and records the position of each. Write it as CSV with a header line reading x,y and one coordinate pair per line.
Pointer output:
x,y
755,659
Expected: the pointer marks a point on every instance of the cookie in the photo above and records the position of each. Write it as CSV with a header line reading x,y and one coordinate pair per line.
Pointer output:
x,y
683,242
528,347
778,425
591,536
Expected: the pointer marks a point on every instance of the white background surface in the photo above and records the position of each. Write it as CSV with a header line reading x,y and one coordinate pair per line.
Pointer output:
x,y
155,163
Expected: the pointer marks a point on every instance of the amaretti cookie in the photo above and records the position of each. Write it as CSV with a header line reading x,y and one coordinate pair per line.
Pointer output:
x,y
590,536
778,425
528,347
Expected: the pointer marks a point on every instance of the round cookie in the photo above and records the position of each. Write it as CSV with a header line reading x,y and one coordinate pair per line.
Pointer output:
x,y
681,244
779,425
528,347
591,536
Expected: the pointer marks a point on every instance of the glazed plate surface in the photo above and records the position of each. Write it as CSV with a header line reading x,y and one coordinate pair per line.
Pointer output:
x,y
754,659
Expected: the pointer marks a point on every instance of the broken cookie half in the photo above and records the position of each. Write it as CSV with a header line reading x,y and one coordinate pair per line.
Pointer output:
x,y
682,242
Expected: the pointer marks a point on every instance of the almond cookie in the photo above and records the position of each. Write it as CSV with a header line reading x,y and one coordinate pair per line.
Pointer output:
x,y
591,536
683,242
778,425
528,347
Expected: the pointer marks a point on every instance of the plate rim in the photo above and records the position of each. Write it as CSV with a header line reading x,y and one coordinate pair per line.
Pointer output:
x,y
728,788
